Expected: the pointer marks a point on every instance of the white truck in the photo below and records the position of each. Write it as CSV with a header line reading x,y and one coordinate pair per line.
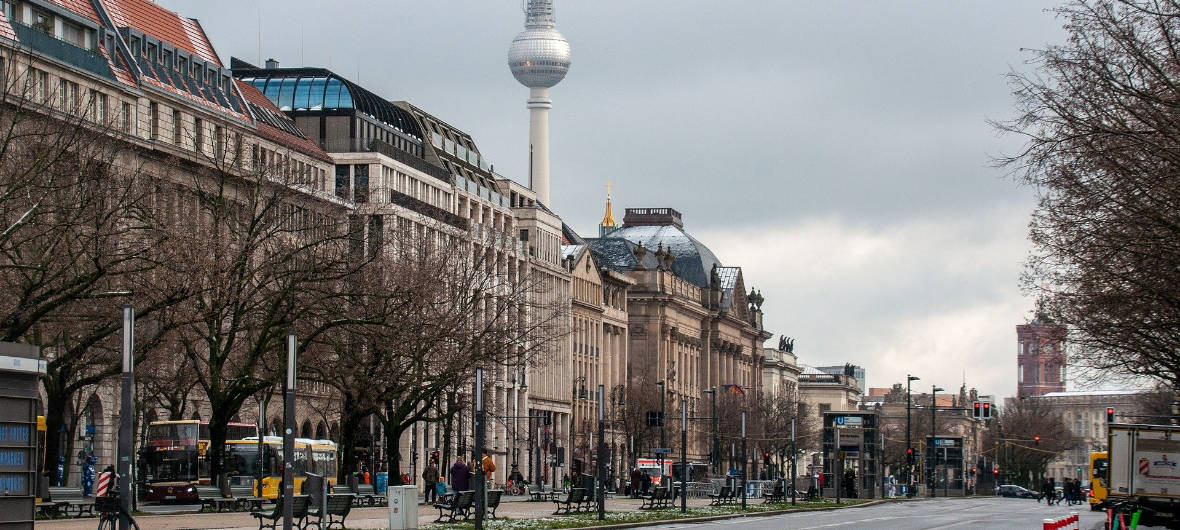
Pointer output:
x,y
1144,472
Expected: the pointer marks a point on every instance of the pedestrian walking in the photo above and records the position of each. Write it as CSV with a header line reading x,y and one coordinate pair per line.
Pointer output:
x,y
460,476
430,478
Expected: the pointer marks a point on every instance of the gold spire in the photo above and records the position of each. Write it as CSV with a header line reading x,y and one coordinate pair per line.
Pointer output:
x,y
608,219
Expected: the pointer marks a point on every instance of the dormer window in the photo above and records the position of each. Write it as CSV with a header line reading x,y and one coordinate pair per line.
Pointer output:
x,y
151,52
167,59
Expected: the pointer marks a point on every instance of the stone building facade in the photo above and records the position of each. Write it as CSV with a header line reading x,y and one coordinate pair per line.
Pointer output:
x,y
1084,415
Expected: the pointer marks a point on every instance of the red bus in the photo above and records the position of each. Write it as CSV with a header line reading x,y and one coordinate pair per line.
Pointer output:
x,y
175,457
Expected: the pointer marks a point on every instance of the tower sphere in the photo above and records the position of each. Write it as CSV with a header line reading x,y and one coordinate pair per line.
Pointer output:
x,y
539,57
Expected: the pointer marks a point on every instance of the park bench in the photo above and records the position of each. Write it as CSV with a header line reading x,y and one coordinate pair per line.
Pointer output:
x,y
369,495
212,499
336,508
656,499
573,498
589,500
778,494
69,499
724,496
455,506
493,501
298,513
244,499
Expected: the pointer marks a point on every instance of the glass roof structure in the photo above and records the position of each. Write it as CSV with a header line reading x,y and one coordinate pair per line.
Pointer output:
x,y
318,89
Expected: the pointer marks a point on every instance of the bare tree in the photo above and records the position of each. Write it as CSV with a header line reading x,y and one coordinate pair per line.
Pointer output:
x,y
1099,116
1025,437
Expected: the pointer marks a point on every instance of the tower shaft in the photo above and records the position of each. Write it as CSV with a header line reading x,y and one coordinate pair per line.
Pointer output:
x,y
539,105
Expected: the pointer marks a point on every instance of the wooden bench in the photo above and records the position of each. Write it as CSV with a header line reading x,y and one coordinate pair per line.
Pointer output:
x,y
778,494
572,501
369,495
298,513
589,500
244,499
457,505
658,498
212,499
493,501
69,499
336,510
724,496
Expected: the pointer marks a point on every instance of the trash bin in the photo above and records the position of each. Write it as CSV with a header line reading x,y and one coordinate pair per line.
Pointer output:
x,y
382,482
403,507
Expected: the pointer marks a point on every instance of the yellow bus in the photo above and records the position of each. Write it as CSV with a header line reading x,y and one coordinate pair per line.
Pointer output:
x,y
1098,465
311,456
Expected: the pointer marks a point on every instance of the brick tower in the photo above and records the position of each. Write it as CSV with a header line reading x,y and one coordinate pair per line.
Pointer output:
x,y
1040,356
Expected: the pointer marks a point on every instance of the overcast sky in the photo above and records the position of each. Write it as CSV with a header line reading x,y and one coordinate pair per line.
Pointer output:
x,y
837,151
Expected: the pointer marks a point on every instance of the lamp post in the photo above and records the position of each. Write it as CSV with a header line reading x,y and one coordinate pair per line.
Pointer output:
x,y
126,417
793,458
933,432
683,456
601,449
663,437
480,491
743,461
909,459
288,492
714,455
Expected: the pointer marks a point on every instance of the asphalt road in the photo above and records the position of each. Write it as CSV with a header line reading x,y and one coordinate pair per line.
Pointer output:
x,y
984,512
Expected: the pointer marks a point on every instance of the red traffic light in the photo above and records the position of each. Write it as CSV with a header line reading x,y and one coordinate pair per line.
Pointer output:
x,y
973,470
987,411
1109,414
909,450
995,471
766,454
975,412
1037,440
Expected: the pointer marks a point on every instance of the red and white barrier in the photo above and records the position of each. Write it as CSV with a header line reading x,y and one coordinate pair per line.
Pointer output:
x,y
1069,522
103,483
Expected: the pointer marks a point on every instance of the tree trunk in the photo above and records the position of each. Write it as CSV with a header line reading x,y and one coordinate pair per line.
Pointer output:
x,y
393,436
57,400
218,430
350,425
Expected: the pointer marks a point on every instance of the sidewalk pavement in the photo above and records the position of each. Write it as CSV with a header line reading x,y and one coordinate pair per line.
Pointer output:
x,y
377,517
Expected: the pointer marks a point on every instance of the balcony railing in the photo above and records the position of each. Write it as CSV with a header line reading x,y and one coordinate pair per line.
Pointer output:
x,y
61,50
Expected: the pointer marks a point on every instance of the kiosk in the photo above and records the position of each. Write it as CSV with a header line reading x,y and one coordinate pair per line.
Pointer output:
x,y
20,367
851,455
944,456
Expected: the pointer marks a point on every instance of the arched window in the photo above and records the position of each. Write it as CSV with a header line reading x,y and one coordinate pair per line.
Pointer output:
x,y
305,431
321,431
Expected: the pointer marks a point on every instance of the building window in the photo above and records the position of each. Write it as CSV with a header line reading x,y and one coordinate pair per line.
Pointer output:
x,y
126,117
101,108
154,114
177,127
342,184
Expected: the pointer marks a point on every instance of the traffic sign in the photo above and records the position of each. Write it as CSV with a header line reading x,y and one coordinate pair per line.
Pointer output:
x,y
661,451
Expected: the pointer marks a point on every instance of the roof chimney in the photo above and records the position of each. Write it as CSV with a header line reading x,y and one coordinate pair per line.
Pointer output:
x,y
271,64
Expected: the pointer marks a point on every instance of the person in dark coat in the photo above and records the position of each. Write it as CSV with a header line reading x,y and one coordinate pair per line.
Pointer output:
x,y
636,482
460,476
430,479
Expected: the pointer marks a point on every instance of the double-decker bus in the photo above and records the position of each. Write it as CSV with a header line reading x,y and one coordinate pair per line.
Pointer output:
x,y
175,457
311,456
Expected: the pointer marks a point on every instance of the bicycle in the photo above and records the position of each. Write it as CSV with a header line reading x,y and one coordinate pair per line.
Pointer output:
x,y
109,509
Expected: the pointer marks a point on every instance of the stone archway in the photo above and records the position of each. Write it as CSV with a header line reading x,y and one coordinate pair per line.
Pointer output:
x,y
305,431
334,432
321,431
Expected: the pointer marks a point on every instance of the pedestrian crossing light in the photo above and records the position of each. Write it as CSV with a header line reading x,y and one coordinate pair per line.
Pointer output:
x,y
987,411
1109,414
976,410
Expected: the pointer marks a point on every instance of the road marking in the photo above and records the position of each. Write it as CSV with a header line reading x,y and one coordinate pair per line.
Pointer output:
x,y
846,523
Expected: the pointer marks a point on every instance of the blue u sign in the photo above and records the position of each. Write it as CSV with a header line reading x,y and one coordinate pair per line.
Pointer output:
x,y
839,420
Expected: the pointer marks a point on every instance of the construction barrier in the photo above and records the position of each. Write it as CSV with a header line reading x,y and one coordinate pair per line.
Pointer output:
x,y
104,482
1069,522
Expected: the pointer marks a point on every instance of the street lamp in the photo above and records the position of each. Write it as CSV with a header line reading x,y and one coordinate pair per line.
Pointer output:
x,y
909,464
933,432
663,437
713,453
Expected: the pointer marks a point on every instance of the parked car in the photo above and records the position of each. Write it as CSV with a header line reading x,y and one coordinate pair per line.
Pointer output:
x,y
1012,490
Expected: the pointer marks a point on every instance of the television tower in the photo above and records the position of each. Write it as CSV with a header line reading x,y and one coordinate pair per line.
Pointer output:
x,y
539,59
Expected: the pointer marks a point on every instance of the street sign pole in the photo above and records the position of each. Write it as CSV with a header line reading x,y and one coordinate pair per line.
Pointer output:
x,y
793,455
126,417
288,492
839,474
743,461
683,456
601,460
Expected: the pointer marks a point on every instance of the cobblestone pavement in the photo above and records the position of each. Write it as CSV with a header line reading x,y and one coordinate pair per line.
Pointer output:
x,y
359,518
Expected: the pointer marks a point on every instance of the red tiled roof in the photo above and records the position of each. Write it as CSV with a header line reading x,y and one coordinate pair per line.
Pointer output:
x,y
81,7
299,143
6,28
184,33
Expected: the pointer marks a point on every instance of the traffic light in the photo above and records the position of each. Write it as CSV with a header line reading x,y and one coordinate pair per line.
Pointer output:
x,y
909,454
995,471
1109,414
987,411
766,459
434,457
1036,440
1079,469
976,410
973,470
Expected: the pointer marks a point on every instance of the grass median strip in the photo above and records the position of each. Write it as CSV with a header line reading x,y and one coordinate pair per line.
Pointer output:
x,y
589,519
